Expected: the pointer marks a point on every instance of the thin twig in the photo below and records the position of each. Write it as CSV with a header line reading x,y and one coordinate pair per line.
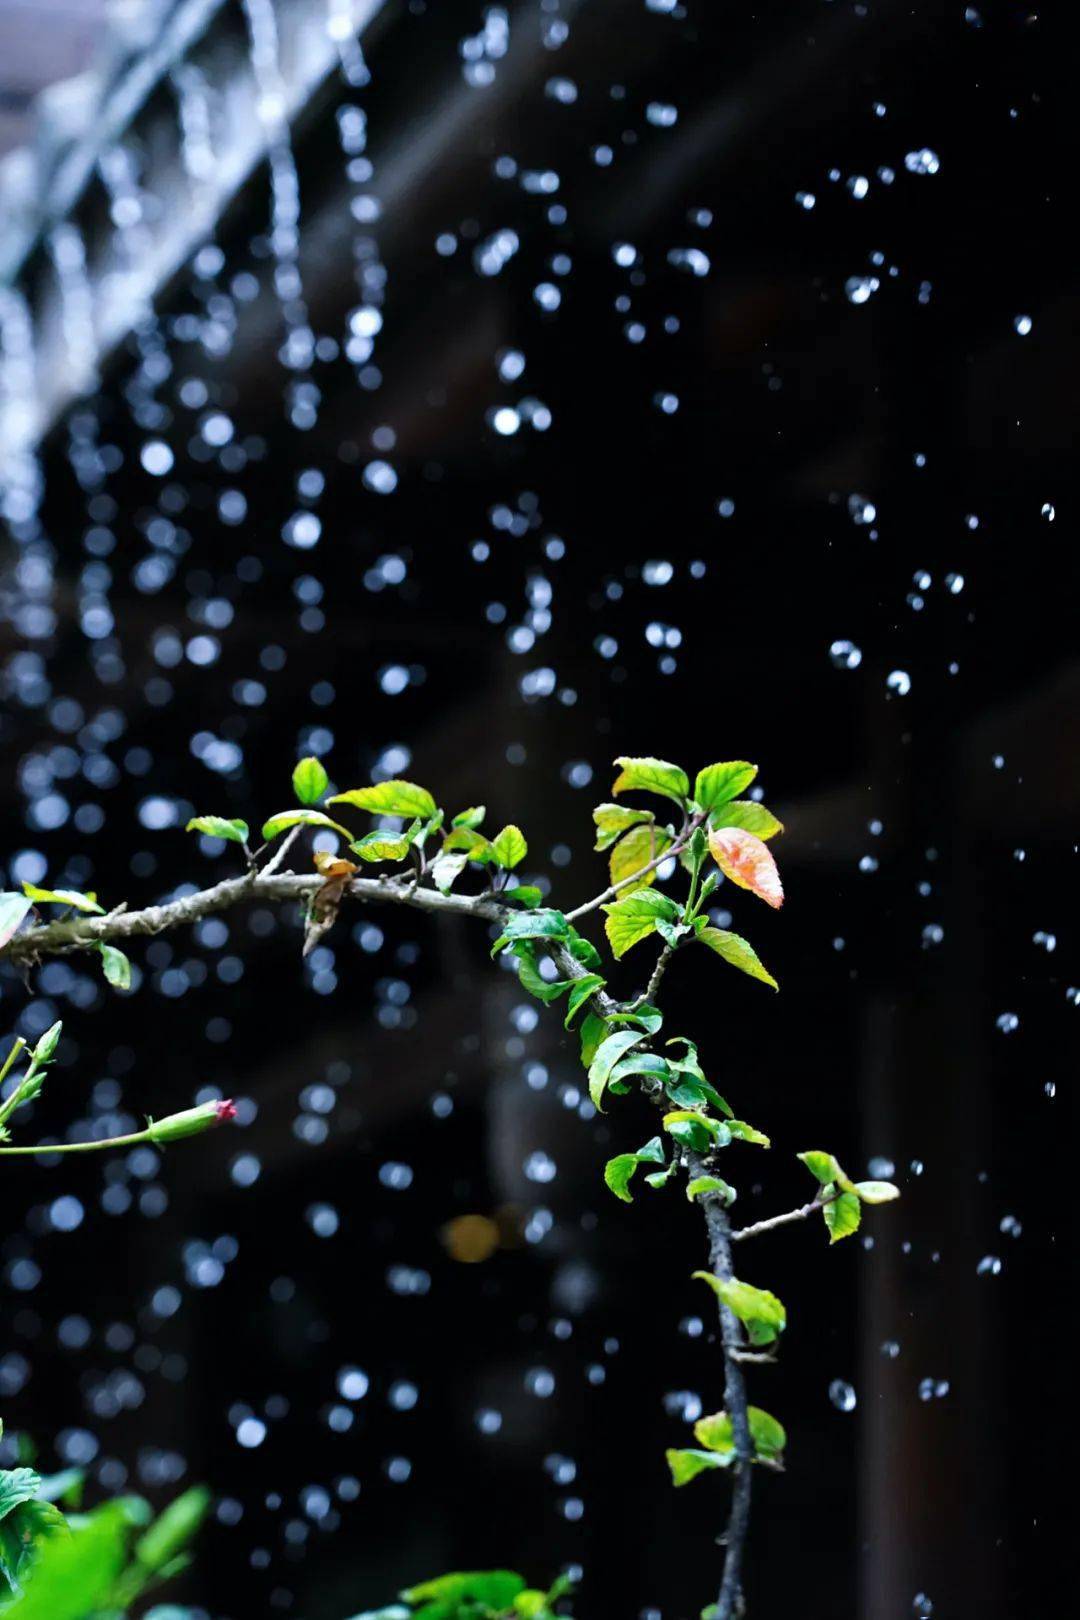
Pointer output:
x,y
277,860
672,850
770,1225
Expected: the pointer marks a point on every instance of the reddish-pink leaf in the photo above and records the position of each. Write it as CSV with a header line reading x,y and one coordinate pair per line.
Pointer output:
x,y
747,861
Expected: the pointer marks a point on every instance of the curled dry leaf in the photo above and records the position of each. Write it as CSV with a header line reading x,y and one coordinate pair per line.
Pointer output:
x,y
747,861
326,900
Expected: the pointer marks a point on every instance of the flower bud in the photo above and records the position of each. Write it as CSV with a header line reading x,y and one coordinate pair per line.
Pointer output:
x,y
46,1046
191,1121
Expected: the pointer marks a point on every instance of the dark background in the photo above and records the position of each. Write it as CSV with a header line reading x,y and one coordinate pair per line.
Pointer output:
x,y
928,846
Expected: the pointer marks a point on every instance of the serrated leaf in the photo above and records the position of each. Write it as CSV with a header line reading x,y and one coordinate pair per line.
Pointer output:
x,y
716,1433
472,817
508,849
842,1216
710,1184
608,1053
647,1063
612,820
686,1463
592,1032
636,849
760,1312
750,816
309,780
717,784
532,980
618,1173
233,831
301,818
634,918
394,798
876,1192
652,776
738,951
17,1485
538,924
747,861
694,1130
62,897
13,908
116,967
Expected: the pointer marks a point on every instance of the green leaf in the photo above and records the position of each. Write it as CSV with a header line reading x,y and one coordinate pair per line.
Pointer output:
x,y
116,967
171,1531
617,1174
747,1133
608,1053
62,897
715,1433
497,1588
644,1017
470,818
389,799
508,849
234,832
612,820
750,816
652,776
580,994
717,784
13,908
761,1313
842,1216
710,1184
876,1192
17,1485
301,818
738,951
638,848
539,924
592,1032
310,780
532,980
526,894
73,1573
634,918
446,869
822,1166
694,1130
647,1063
384,846
687,1464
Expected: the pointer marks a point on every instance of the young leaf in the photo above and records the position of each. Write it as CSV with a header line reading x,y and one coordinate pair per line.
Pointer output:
x,y
687,1464
842,1216
696,1131
876,1192
17,1485
612,820
738,951
389,799
310,780
715,1433
455,1595
750,816
470,818
746,1133
634,918
645,1017
618,1172
638,848
822,1166
647,1063
652,776
234,832
116,967
508,849
445,869
748,862
717,784
301,818
13,908
608,1053
702,1185
384,846
526,894
592,1032
62,897
532,980
760,1312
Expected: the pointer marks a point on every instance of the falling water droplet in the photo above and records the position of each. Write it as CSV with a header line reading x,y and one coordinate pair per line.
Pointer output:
x,y
842,1395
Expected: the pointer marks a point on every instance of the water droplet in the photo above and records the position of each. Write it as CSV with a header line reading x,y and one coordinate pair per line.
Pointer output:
x,y
899,681
842,1396
845,655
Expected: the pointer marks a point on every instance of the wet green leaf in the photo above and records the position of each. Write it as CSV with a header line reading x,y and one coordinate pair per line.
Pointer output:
x,y
717,784
608,1053
750,816
876,1192
310,780
580,994
822,1166
538,924
634,918
638,848
710,1184
612,820
686,1464
760,1312
508,849
747,1133
116,967
738,951
234,832
446,869
384,846
842,1216
393,798
652,776
62,897
302,818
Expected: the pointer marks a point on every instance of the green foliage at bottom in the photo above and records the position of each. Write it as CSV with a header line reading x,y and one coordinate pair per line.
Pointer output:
x,y
493,1594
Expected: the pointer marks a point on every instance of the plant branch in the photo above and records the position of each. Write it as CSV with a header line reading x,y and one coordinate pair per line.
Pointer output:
x,y
801,1214
672,850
